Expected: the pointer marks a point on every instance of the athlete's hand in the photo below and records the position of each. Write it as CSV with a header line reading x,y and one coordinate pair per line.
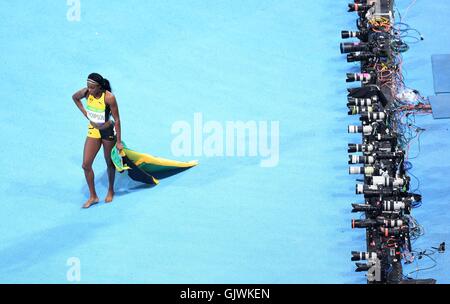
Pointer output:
x,y
94,124
119,146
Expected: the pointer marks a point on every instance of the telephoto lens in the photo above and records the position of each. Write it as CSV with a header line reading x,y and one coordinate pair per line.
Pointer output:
x,y
350,47
357,159
355,110
388,181
358,7
359,56
363,256
361,35
364,208
355,129
376,116
390,223
348,34
362,102
374,191
363,77
363,170
396,206
364,223
367,130
356,170
353,148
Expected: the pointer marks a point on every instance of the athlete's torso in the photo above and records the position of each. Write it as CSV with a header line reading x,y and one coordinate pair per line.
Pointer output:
x,y
97,110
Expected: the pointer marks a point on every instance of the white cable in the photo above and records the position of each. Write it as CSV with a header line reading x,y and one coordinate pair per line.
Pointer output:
x,y
407,9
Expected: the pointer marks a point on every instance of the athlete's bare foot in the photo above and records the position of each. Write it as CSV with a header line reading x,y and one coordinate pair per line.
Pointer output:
x,y
91,202
109,197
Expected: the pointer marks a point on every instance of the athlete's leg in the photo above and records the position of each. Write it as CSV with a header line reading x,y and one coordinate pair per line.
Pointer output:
x,y
91,148
107,148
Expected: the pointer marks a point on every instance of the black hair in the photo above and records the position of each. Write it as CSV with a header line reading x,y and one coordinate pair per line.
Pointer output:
x,y
104,83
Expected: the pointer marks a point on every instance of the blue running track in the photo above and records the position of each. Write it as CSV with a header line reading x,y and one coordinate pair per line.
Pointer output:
x,y
229,220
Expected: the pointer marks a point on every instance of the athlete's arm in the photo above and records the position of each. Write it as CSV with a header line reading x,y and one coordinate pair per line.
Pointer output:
x,y
77,97
110,99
